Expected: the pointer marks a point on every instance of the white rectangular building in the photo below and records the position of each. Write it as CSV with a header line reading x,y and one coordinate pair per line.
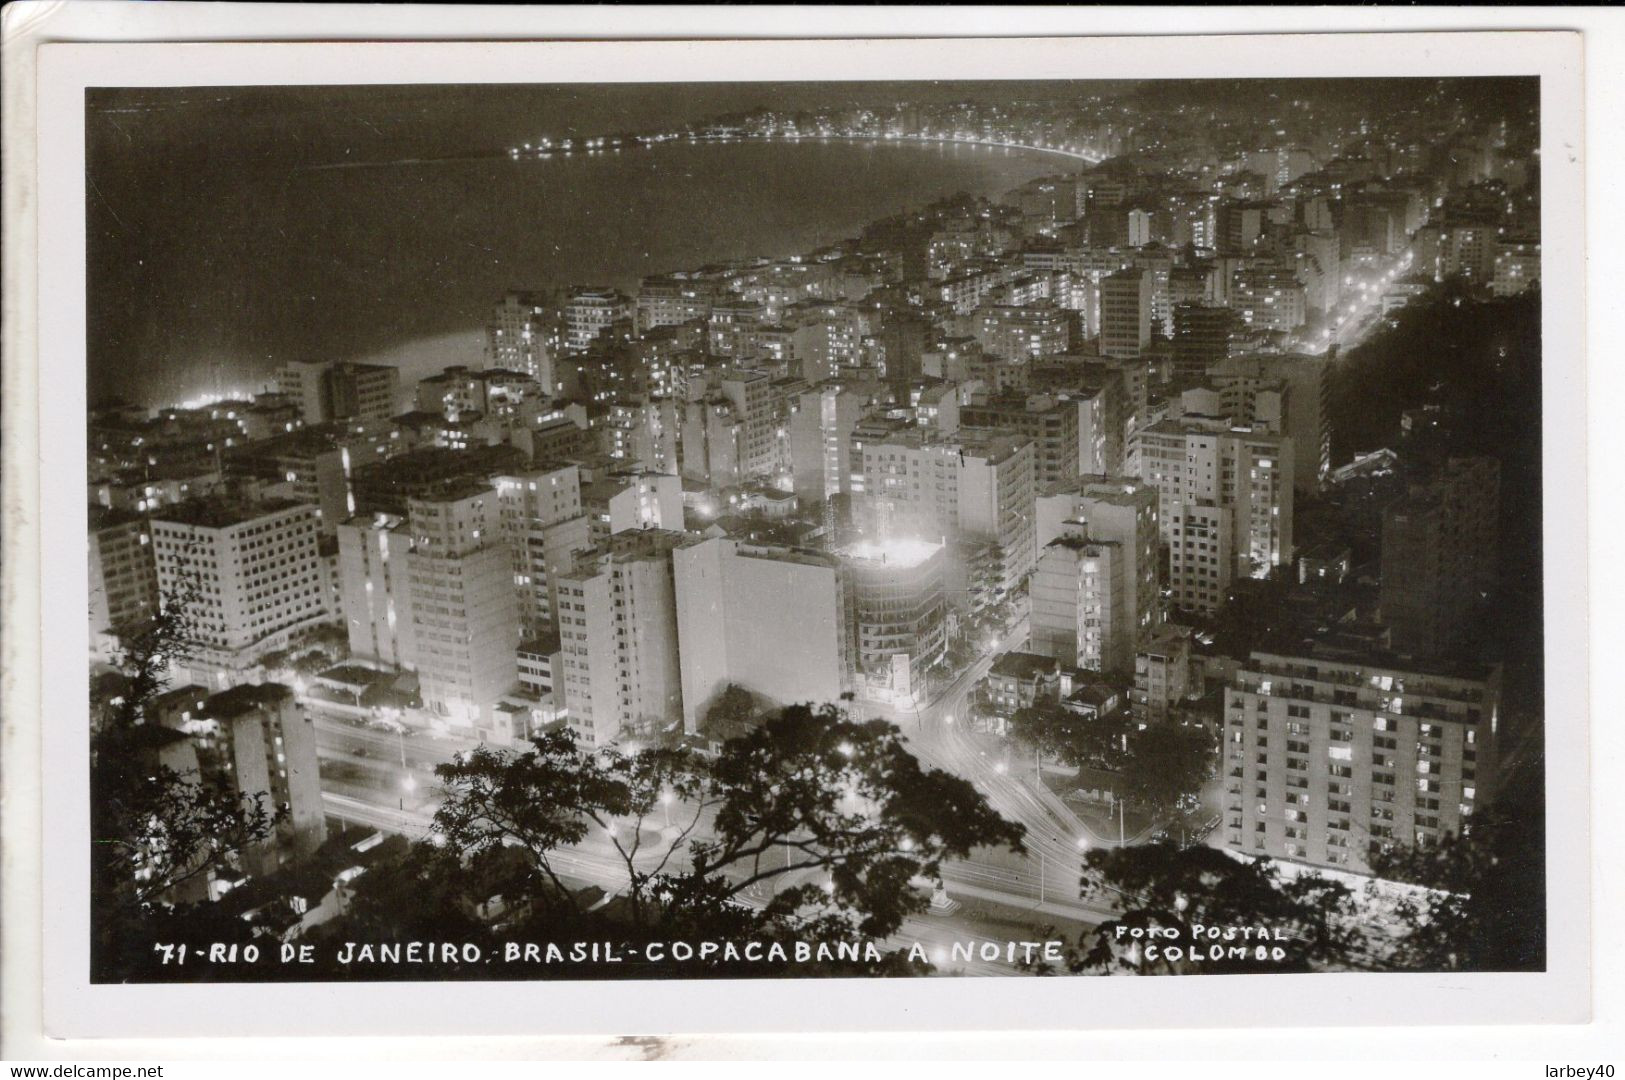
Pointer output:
x,y
768,619
465,612
618,633
252,575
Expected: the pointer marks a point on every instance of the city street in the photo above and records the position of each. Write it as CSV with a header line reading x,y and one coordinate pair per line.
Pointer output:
x,y
366,784
939,734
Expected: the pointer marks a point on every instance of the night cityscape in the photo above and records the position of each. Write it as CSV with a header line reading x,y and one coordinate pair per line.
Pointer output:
x,y
821,530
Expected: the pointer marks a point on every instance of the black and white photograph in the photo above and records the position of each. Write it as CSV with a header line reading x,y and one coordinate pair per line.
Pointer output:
x,y
688,530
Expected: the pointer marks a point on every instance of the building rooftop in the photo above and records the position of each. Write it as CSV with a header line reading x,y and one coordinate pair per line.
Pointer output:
x,y
216,513
1295,655
1115,490
307,441
454,489
240,700
782,553
1097,695
902,552
101,517
1076,542
545,645
1024,665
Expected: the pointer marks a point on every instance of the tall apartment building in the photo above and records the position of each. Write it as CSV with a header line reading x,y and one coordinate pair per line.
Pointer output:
x,y
903,338
730,428
1202,336
1125,313
1328,756
375,593
1162,673
1468,251
1080,606
1097,392
1517,267
821,424
769,619
1320,267
258,741
1271,299
976,484
754,402
898,613
308,466
545,523
364,391
1024,332
465,613
618,633
252,575
1302,393
1121,511
1439,552
1224,504
828,338
632,499
642,432
327,390
672,300
520,337
1240,225
123,574
1158,263
588,315
305,383
1139,228
1050,422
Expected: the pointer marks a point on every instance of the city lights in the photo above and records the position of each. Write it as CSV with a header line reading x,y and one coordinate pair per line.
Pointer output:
x,y
1150,494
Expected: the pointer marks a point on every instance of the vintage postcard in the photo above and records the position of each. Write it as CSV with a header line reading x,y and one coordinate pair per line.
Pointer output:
x,y
762,535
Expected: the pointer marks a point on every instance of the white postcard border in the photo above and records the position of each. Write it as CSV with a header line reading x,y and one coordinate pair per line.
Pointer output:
x,y
76,1008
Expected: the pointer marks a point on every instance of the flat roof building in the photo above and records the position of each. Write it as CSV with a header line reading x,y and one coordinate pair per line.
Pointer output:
x,y
1329,756
769,619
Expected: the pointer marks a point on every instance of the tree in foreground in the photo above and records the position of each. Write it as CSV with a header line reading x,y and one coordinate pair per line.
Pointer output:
x,y
1060,733
813,826
1481,905
1165,768
157,832
1161,767
1164,892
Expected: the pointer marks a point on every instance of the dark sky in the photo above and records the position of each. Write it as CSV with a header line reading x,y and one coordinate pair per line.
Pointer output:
x,y
334,123
216,240
217,237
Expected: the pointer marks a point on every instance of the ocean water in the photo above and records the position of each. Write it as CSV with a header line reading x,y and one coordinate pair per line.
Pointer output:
x,y
207,275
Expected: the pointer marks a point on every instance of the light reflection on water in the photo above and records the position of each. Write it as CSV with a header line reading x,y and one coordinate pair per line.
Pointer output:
x,y
235,271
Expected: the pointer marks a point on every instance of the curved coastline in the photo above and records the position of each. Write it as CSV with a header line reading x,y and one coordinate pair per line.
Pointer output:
x,y
570,147
483,227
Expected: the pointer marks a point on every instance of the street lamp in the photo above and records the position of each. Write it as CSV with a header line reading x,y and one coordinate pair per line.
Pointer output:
x,y
665,806
408,785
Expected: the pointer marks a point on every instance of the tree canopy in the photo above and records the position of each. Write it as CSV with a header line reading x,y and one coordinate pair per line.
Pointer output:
x,y
1484,904
1165,768
1060,733
157,832
1165,892
812,825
